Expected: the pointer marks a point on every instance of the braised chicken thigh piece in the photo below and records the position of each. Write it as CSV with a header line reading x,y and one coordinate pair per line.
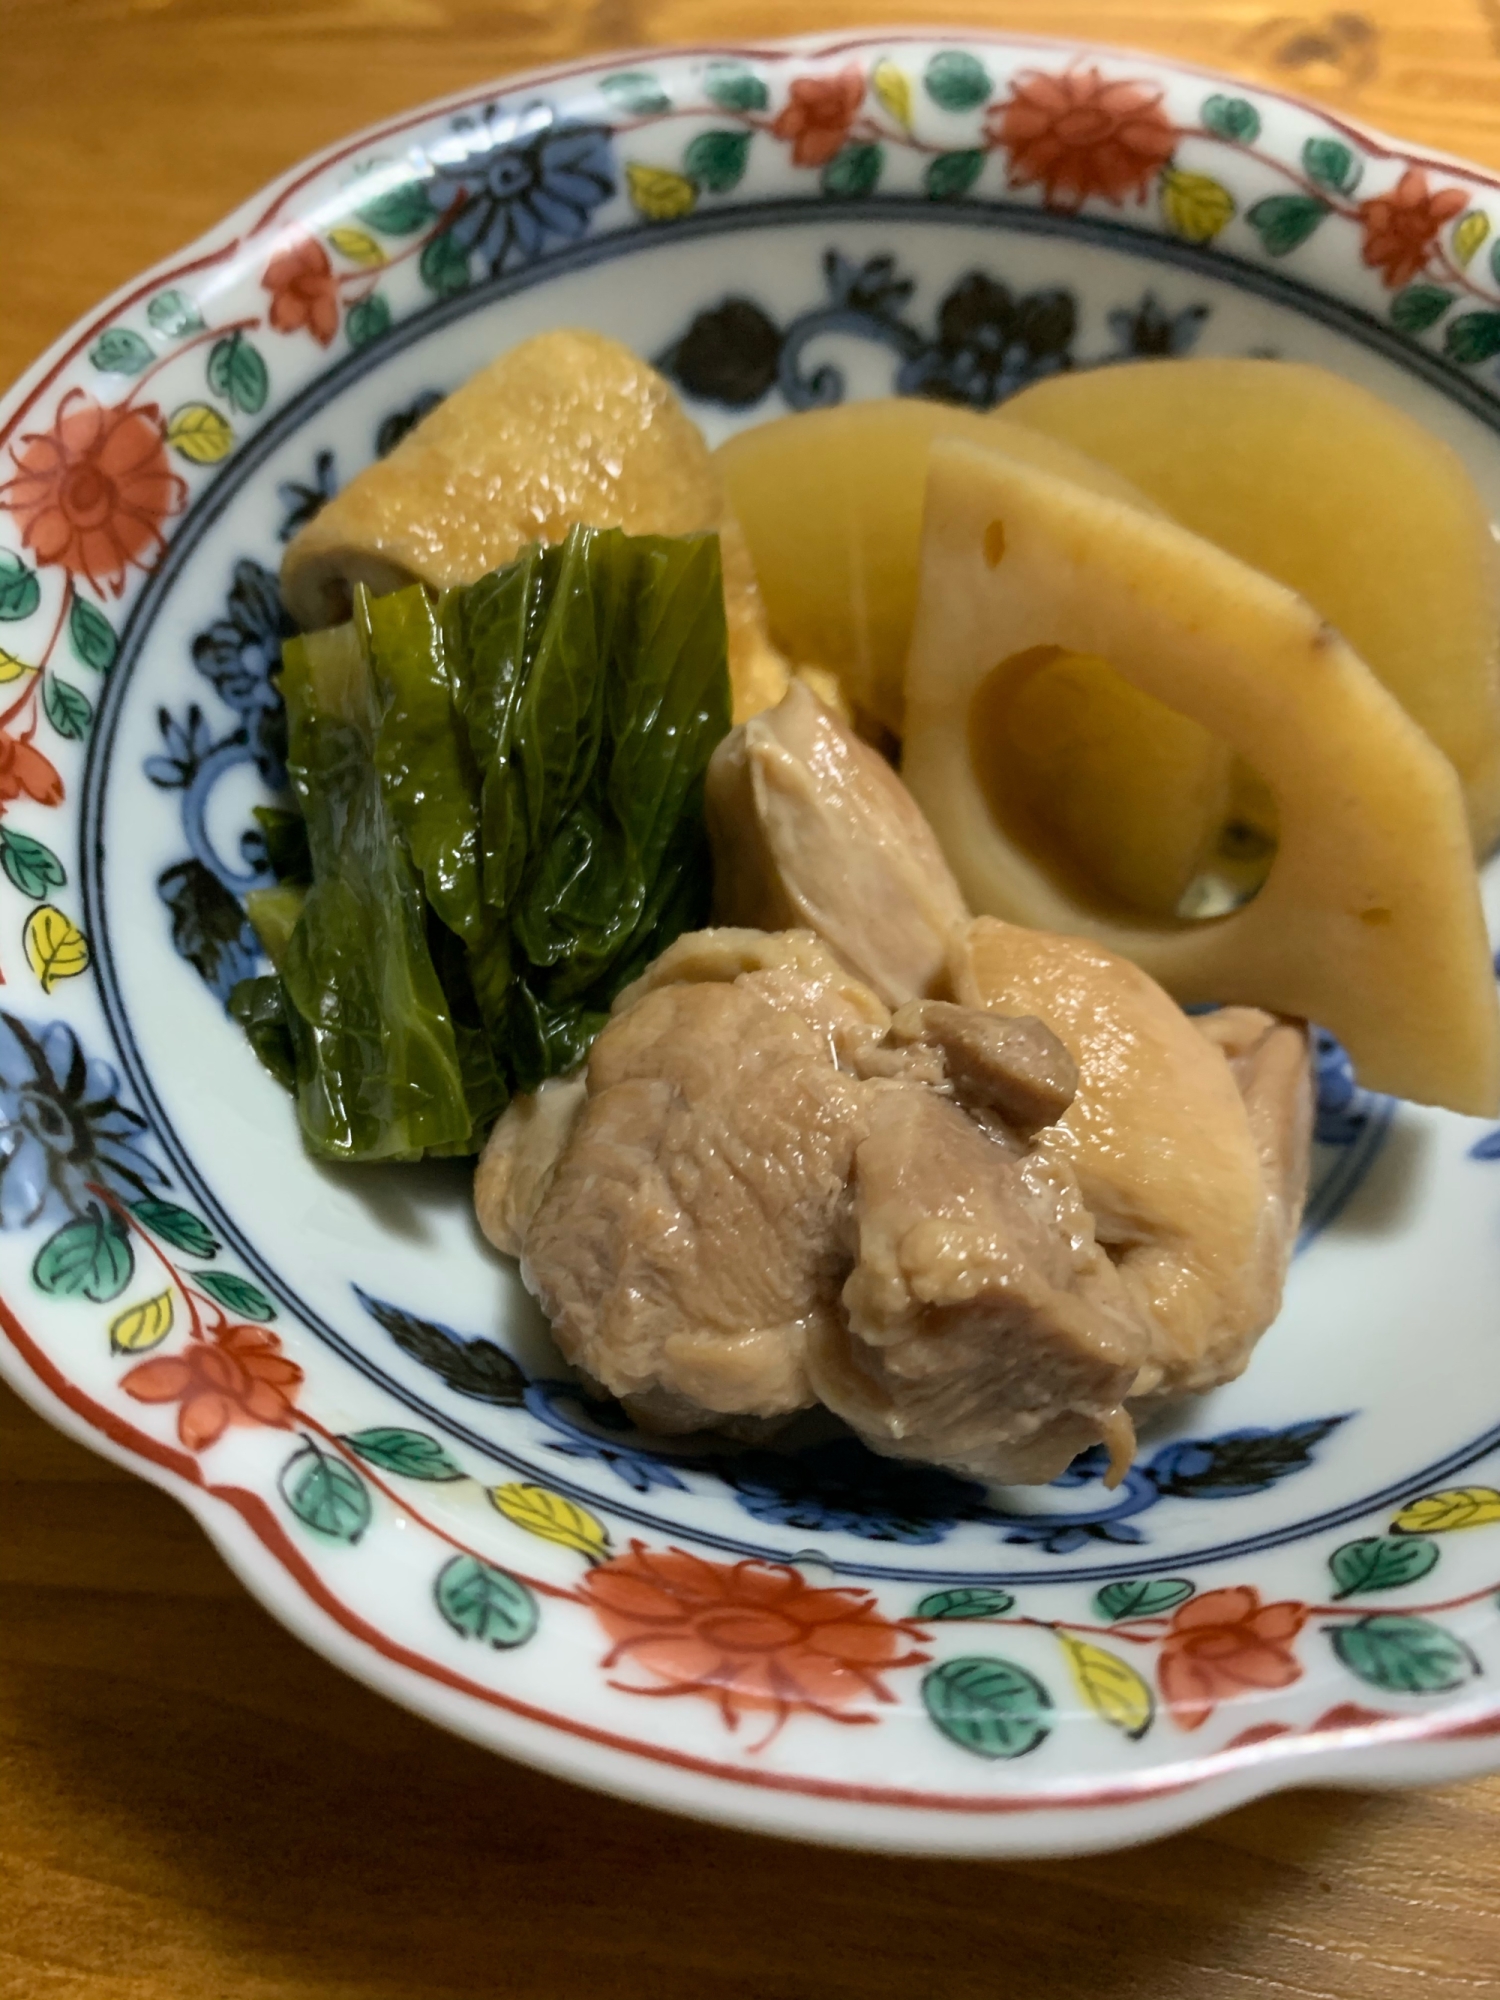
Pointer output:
x,y
810,826
1189,1139
769,1200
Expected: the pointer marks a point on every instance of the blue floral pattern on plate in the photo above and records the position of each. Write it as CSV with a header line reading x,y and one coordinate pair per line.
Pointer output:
x,y
515,182
63,1131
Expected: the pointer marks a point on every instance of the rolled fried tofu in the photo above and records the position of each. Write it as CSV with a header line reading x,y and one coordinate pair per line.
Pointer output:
x,y
568,427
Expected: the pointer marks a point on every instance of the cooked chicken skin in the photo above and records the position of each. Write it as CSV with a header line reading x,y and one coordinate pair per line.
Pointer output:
x,y
1193,1166
810,826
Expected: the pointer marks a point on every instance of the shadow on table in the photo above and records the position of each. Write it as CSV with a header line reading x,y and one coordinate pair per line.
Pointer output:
x,y
218,1810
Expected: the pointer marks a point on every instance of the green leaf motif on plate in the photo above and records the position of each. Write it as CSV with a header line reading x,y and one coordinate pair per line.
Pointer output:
x,y
325,1494
177,1226
1495,260
1330,164
20,593
412,1454
1473,337
1232,118
957,81
482,1602
32,867
119,351
174,314
236,1294
399,210
952,174
1381,1562
717,160
443,266
734,88
90,1258
1417,307
854,171
367,320
237,373
1284,221
69,712
965,1601
1403,1654
92,636
1142,1597
637,93
988,1706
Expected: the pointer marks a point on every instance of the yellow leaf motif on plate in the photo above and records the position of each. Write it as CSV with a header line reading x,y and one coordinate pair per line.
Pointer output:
x,y
357,245
11,669
1455,1507
55,947
200,434
1111,1686
1195,205
1468,233
552,1518
659,194
893,88
143,1327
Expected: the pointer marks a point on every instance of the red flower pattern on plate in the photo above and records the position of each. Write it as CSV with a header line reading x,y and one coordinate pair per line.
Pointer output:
x,y
92,493
1223,1644
1080,133
818,113
304,291
754,1637
23,768
239,1376
1402,226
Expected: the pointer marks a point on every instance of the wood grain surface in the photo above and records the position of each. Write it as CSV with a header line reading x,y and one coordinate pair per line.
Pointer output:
x,y
192,1806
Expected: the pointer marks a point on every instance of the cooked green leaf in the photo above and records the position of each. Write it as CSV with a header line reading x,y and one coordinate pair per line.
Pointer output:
x,y
285,835
581,904
273,915
378,1074
427,768
259,1005
559,717
492,629
502,810
667,714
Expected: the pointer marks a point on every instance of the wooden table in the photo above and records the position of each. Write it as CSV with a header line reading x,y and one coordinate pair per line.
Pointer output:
x,y
192,1807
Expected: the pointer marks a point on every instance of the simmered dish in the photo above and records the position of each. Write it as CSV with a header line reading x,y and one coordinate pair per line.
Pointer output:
x,y
789,870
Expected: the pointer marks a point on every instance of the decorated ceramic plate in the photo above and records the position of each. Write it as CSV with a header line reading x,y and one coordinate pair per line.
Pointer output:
x,y
1300,1579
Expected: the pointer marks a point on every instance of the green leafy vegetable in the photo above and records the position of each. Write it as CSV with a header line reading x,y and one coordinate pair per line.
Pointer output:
x,y
427,770
475,1025
285,835
494,626
503,802
559,717
378,1074
273,913
259,1005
